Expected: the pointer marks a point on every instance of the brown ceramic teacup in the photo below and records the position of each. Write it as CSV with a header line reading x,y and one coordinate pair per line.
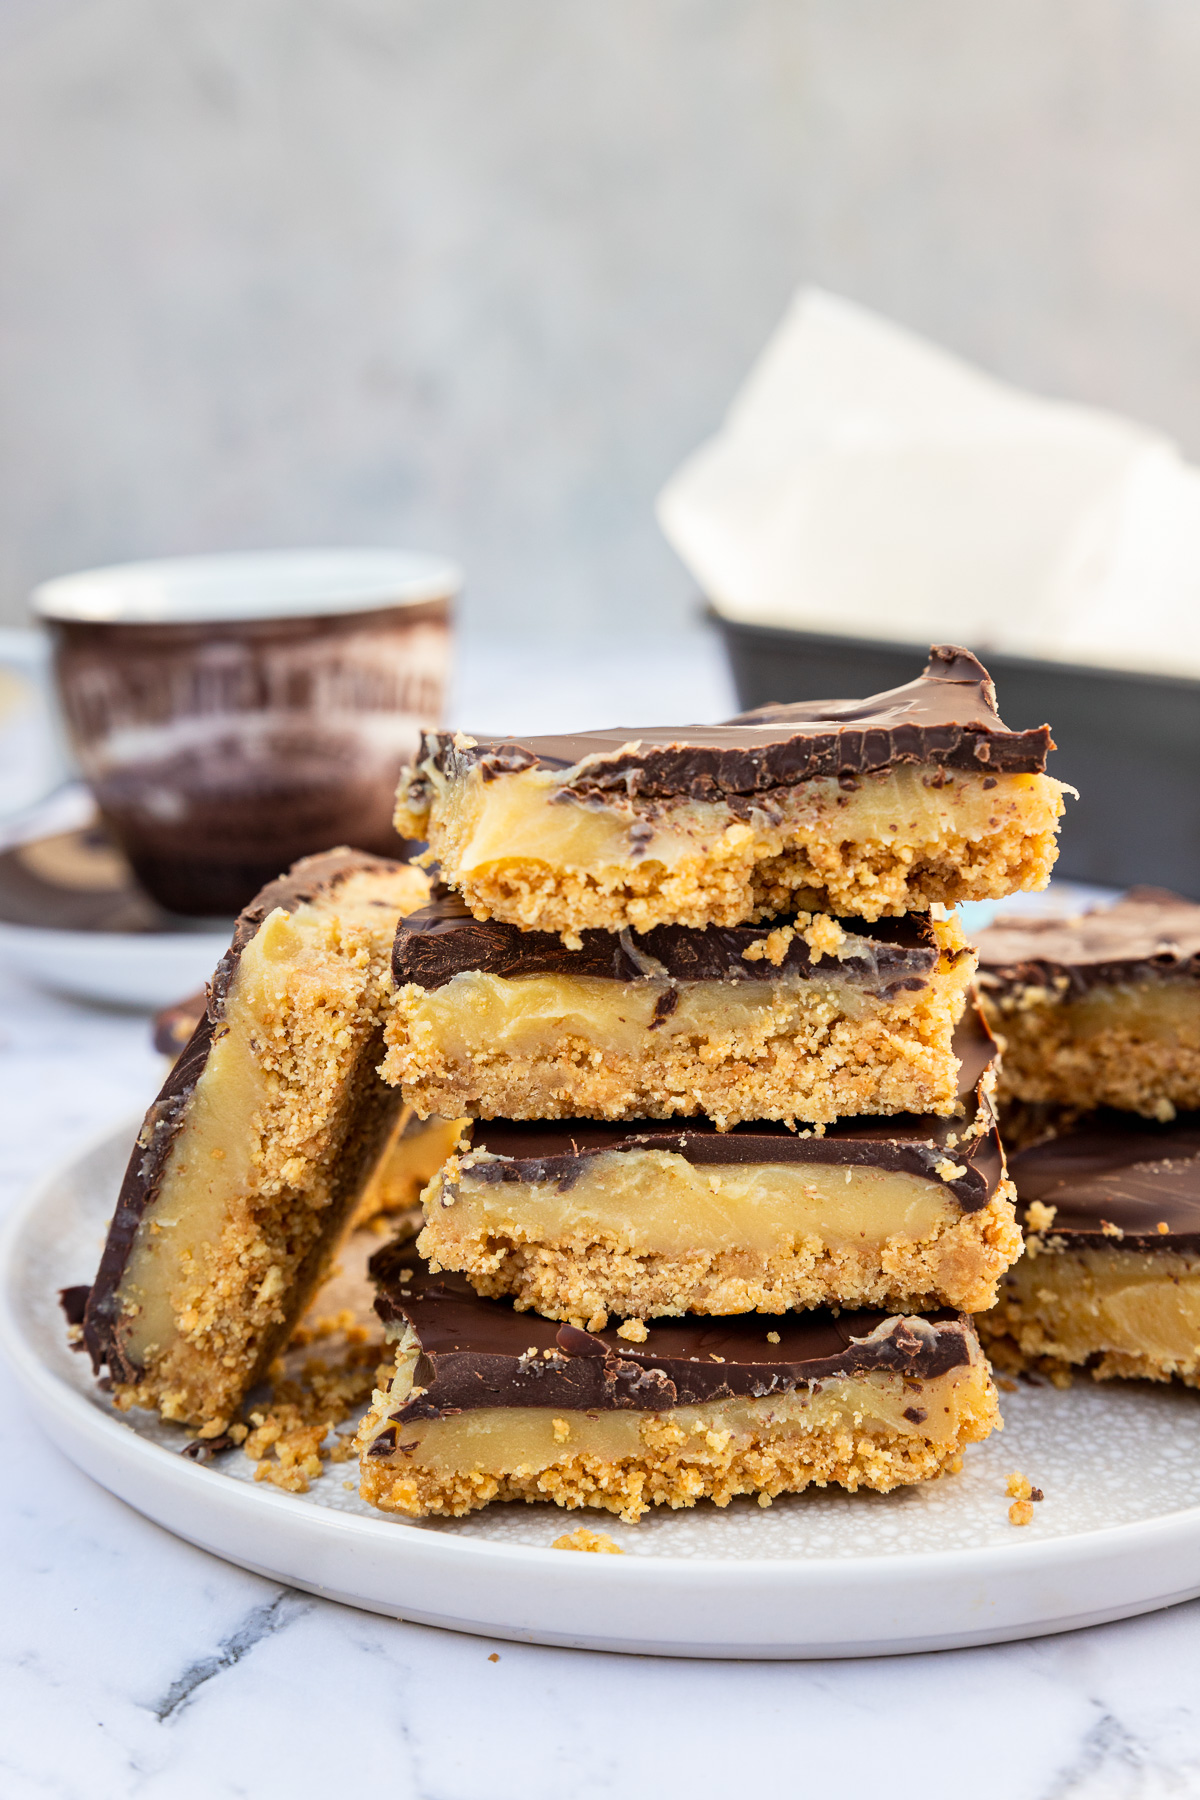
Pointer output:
x,y
231,713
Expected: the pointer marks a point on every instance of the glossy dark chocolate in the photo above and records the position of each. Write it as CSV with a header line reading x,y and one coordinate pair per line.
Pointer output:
x,y
481,1353
443,940
1117,1169
946,717
558,1150
1149,935
309,878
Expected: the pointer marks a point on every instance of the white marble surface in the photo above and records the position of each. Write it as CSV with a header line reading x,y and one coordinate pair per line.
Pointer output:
x,y
132,1665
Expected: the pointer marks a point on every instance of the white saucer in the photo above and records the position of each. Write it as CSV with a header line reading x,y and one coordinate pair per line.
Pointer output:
x,y
819,1575
139,969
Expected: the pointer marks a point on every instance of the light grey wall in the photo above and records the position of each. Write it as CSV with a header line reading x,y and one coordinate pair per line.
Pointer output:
x,y
475,274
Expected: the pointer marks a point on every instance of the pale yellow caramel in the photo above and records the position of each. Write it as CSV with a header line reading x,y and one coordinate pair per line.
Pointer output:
x,y
1122,1312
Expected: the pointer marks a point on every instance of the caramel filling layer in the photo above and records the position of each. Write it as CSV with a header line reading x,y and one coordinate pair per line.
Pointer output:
x,y
655,1202
501,1440
1075,1304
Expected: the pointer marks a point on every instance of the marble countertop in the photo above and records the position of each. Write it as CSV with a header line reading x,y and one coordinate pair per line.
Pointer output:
x,y
134,1665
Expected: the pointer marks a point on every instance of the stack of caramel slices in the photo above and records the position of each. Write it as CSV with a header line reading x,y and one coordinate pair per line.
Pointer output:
x,y
732,1183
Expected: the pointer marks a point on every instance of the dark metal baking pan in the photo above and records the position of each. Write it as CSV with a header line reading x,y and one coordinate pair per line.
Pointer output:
x,y
1129,743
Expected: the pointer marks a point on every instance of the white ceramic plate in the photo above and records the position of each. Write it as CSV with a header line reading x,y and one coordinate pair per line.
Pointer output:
x,y
817,1575
141,970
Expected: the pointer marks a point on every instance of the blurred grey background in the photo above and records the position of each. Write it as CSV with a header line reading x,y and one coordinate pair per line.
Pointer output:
x,y
474,277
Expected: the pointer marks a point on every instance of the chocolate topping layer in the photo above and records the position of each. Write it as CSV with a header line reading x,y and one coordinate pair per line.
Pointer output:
x,y
1117,1169
1149,934
147,1165
554,1150
947,716
443,940
480,1353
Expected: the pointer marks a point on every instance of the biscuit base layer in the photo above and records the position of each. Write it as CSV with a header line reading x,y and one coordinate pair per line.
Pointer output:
x,y
1135,1047
550,1046
649,1234
521,848
876,1431
1116,1313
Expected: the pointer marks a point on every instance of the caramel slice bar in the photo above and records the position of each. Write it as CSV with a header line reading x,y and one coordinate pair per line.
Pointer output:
x,y
253,1155
1102,1010
809,1020
1110,1279
862,808
491,1404
581,1219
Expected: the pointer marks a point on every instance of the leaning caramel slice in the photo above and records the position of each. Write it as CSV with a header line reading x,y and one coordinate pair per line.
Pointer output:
x,y
250,1161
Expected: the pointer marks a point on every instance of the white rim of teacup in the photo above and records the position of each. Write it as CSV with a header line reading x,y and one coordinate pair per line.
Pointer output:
x,y
258,584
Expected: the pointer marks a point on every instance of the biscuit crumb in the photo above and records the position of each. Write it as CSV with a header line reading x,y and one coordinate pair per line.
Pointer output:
x,y
1162,1228
1039,1217
1164,1112
1018,1486
633,1329
1111,1230
562,1430
824,937
773,948
596,1543
494,1657
1020,1513
772,1337
598,1321
950,1171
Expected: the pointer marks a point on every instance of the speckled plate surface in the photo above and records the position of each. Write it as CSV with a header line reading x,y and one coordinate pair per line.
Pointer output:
x,y
816,1575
